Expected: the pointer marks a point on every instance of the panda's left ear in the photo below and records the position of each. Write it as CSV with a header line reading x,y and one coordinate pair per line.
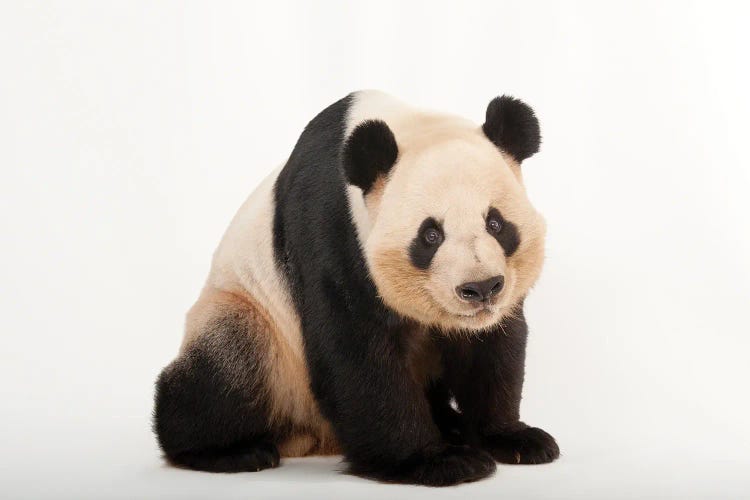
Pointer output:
x,y
370,151
513,127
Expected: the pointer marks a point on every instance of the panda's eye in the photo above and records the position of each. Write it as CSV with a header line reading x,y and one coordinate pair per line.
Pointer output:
x,y
432,236
494,225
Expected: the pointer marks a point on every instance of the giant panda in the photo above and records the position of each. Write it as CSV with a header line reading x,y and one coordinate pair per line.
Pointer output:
x,y
367,300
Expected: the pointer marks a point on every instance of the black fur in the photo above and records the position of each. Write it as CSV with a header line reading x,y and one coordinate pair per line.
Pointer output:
x,y
521,444
445,465
420,251
250,456
369,151
202,418
449,421
485,373
513,127
356,348
508,236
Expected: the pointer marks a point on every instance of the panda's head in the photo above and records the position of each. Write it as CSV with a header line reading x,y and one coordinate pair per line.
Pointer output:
x,y
450,237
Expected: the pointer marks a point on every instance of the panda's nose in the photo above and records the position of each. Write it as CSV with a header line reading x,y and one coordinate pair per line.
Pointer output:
x,y
481,291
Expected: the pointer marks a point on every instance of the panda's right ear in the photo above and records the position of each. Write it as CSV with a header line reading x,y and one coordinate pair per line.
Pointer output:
x,y
370,151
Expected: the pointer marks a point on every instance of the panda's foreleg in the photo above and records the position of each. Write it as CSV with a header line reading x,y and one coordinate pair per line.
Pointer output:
x,y
211,408
379,411
486,375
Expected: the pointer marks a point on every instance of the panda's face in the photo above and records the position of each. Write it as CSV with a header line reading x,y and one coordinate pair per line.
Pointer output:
x,y
454,242
450,238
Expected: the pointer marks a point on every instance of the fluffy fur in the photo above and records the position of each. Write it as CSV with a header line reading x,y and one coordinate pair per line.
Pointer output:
x,y
331,323
512,125
369,152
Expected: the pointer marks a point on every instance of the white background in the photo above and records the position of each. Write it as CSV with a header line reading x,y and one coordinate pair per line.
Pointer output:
x,y
130,132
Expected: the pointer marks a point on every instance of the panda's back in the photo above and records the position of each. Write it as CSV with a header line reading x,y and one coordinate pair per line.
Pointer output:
x,y
244,261
253,256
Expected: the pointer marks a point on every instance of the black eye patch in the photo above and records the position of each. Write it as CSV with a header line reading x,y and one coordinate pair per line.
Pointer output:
x,y
425,244
507,235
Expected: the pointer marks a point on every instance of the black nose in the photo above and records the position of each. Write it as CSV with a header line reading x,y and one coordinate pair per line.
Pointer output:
x,y
481,291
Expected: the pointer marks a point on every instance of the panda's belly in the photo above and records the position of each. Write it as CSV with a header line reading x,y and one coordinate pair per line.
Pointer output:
x,y
244,264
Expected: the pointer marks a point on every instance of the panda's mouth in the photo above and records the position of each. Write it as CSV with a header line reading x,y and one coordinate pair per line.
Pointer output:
x,y
477,313
469,317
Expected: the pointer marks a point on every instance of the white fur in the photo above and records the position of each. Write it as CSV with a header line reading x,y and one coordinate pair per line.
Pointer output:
x,y
375,105
359,214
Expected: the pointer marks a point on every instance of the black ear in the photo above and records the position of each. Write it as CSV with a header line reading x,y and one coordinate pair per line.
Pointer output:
x,y
512,125
369,151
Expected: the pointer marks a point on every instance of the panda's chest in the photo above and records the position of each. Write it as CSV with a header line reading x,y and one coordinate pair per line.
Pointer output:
x,y
422,354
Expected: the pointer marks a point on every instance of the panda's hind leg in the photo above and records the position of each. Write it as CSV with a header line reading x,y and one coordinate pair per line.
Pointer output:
x,y
212,409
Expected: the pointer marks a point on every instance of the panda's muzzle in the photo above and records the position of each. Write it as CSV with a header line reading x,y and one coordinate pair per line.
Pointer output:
x,y
481,291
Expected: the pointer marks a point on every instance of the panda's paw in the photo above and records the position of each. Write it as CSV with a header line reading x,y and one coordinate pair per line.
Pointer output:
x,y
453,465
526,445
